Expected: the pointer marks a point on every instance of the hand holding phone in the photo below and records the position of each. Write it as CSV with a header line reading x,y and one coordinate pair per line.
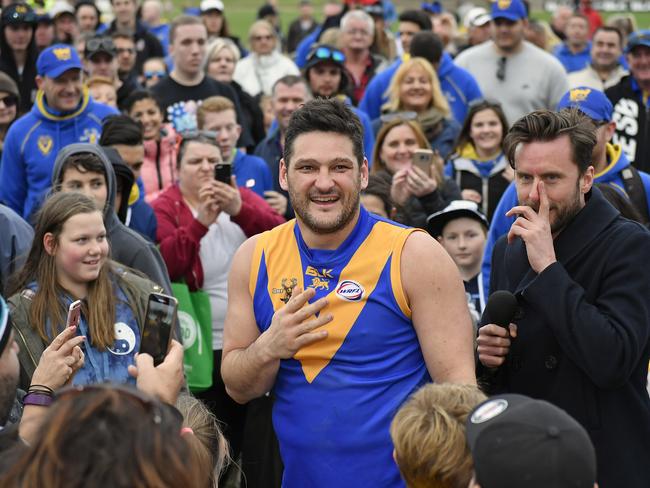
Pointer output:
x,y
423,158
222,172
158,326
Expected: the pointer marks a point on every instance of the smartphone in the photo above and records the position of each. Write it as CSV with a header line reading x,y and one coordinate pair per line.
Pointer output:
x,y
158,326
423,158
74,314
222,172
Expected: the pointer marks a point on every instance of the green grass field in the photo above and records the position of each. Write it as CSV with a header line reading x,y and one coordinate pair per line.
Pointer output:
x,y
241,13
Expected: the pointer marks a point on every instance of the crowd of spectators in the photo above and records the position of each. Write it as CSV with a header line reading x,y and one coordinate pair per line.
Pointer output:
x,y
114,119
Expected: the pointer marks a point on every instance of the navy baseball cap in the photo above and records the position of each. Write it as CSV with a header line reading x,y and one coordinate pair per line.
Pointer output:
x,y
509,9
638,38
591,102
18,13
56,60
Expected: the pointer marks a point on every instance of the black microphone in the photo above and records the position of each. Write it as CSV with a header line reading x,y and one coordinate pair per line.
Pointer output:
x,y
501,308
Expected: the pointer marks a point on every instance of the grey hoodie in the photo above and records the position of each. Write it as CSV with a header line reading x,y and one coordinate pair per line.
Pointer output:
x,y
127,246
15,242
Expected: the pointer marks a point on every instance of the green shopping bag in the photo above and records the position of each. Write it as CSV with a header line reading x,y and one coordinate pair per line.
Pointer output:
x,y
195,318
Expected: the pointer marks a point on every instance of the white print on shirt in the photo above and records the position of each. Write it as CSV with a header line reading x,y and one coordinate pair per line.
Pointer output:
x,y
124,340
626,113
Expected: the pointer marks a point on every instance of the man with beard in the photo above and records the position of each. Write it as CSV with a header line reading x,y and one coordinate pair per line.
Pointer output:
x,y
582,326
605,69
340,313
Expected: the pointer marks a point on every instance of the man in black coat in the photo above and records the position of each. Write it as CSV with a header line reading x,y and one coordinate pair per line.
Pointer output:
x,y
580,338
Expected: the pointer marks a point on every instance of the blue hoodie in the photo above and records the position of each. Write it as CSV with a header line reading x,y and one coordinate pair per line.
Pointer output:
x,y
500,224
457,84
32,144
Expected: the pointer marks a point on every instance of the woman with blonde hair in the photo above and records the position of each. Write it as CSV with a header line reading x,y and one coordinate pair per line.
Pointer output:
x,y
415,92
416,193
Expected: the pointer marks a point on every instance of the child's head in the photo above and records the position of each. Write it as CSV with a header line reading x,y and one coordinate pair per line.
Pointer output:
x,y
102,90
70,238
85,173
376,197
428,433
207,444
462,230
153,70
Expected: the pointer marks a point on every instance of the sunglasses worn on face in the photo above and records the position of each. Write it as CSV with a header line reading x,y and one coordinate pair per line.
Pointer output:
x,y
154,74
9,100
326,54
263,38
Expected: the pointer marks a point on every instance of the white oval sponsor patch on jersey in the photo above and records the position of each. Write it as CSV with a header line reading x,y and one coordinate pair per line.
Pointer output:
x,y
489,410
350,290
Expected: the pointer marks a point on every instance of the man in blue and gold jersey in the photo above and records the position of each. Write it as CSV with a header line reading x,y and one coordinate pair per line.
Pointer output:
x,y
340,313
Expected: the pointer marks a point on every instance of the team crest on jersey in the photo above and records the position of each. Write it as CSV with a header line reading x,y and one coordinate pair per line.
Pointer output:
x,y
45,144
91,136
320,278
319,284
288,284
350,290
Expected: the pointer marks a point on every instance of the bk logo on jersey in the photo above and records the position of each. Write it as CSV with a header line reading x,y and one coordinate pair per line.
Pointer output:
x,y
350,290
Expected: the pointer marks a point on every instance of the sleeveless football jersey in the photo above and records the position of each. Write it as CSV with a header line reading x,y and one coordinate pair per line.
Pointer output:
x,y
335,399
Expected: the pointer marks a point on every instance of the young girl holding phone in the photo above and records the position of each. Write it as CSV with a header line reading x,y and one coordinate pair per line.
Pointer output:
x,y
69,261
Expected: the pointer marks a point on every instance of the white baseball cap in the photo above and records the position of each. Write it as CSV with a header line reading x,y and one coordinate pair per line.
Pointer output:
x,y
476,17
207,5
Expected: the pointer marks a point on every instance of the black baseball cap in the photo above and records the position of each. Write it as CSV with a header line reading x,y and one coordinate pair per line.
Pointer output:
x,y
18,13
519,441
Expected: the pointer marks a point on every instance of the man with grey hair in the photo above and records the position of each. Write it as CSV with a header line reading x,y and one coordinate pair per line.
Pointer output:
x,y
357,33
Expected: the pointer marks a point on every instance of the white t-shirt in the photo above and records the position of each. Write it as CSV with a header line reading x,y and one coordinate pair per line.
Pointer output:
x,y
218,246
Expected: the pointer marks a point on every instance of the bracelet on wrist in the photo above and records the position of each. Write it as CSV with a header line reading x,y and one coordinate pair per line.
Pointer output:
x,y
40,389
39,399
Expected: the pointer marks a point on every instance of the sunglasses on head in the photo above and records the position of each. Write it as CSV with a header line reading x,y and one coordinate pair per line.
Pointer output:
x,y
191,135
388,118
326,53
153,407
151,74
9,100
100,44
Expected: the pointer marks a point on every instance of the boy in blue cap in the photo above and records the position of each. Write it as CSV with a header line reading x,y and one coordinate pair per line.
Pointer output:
x,y
63,113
